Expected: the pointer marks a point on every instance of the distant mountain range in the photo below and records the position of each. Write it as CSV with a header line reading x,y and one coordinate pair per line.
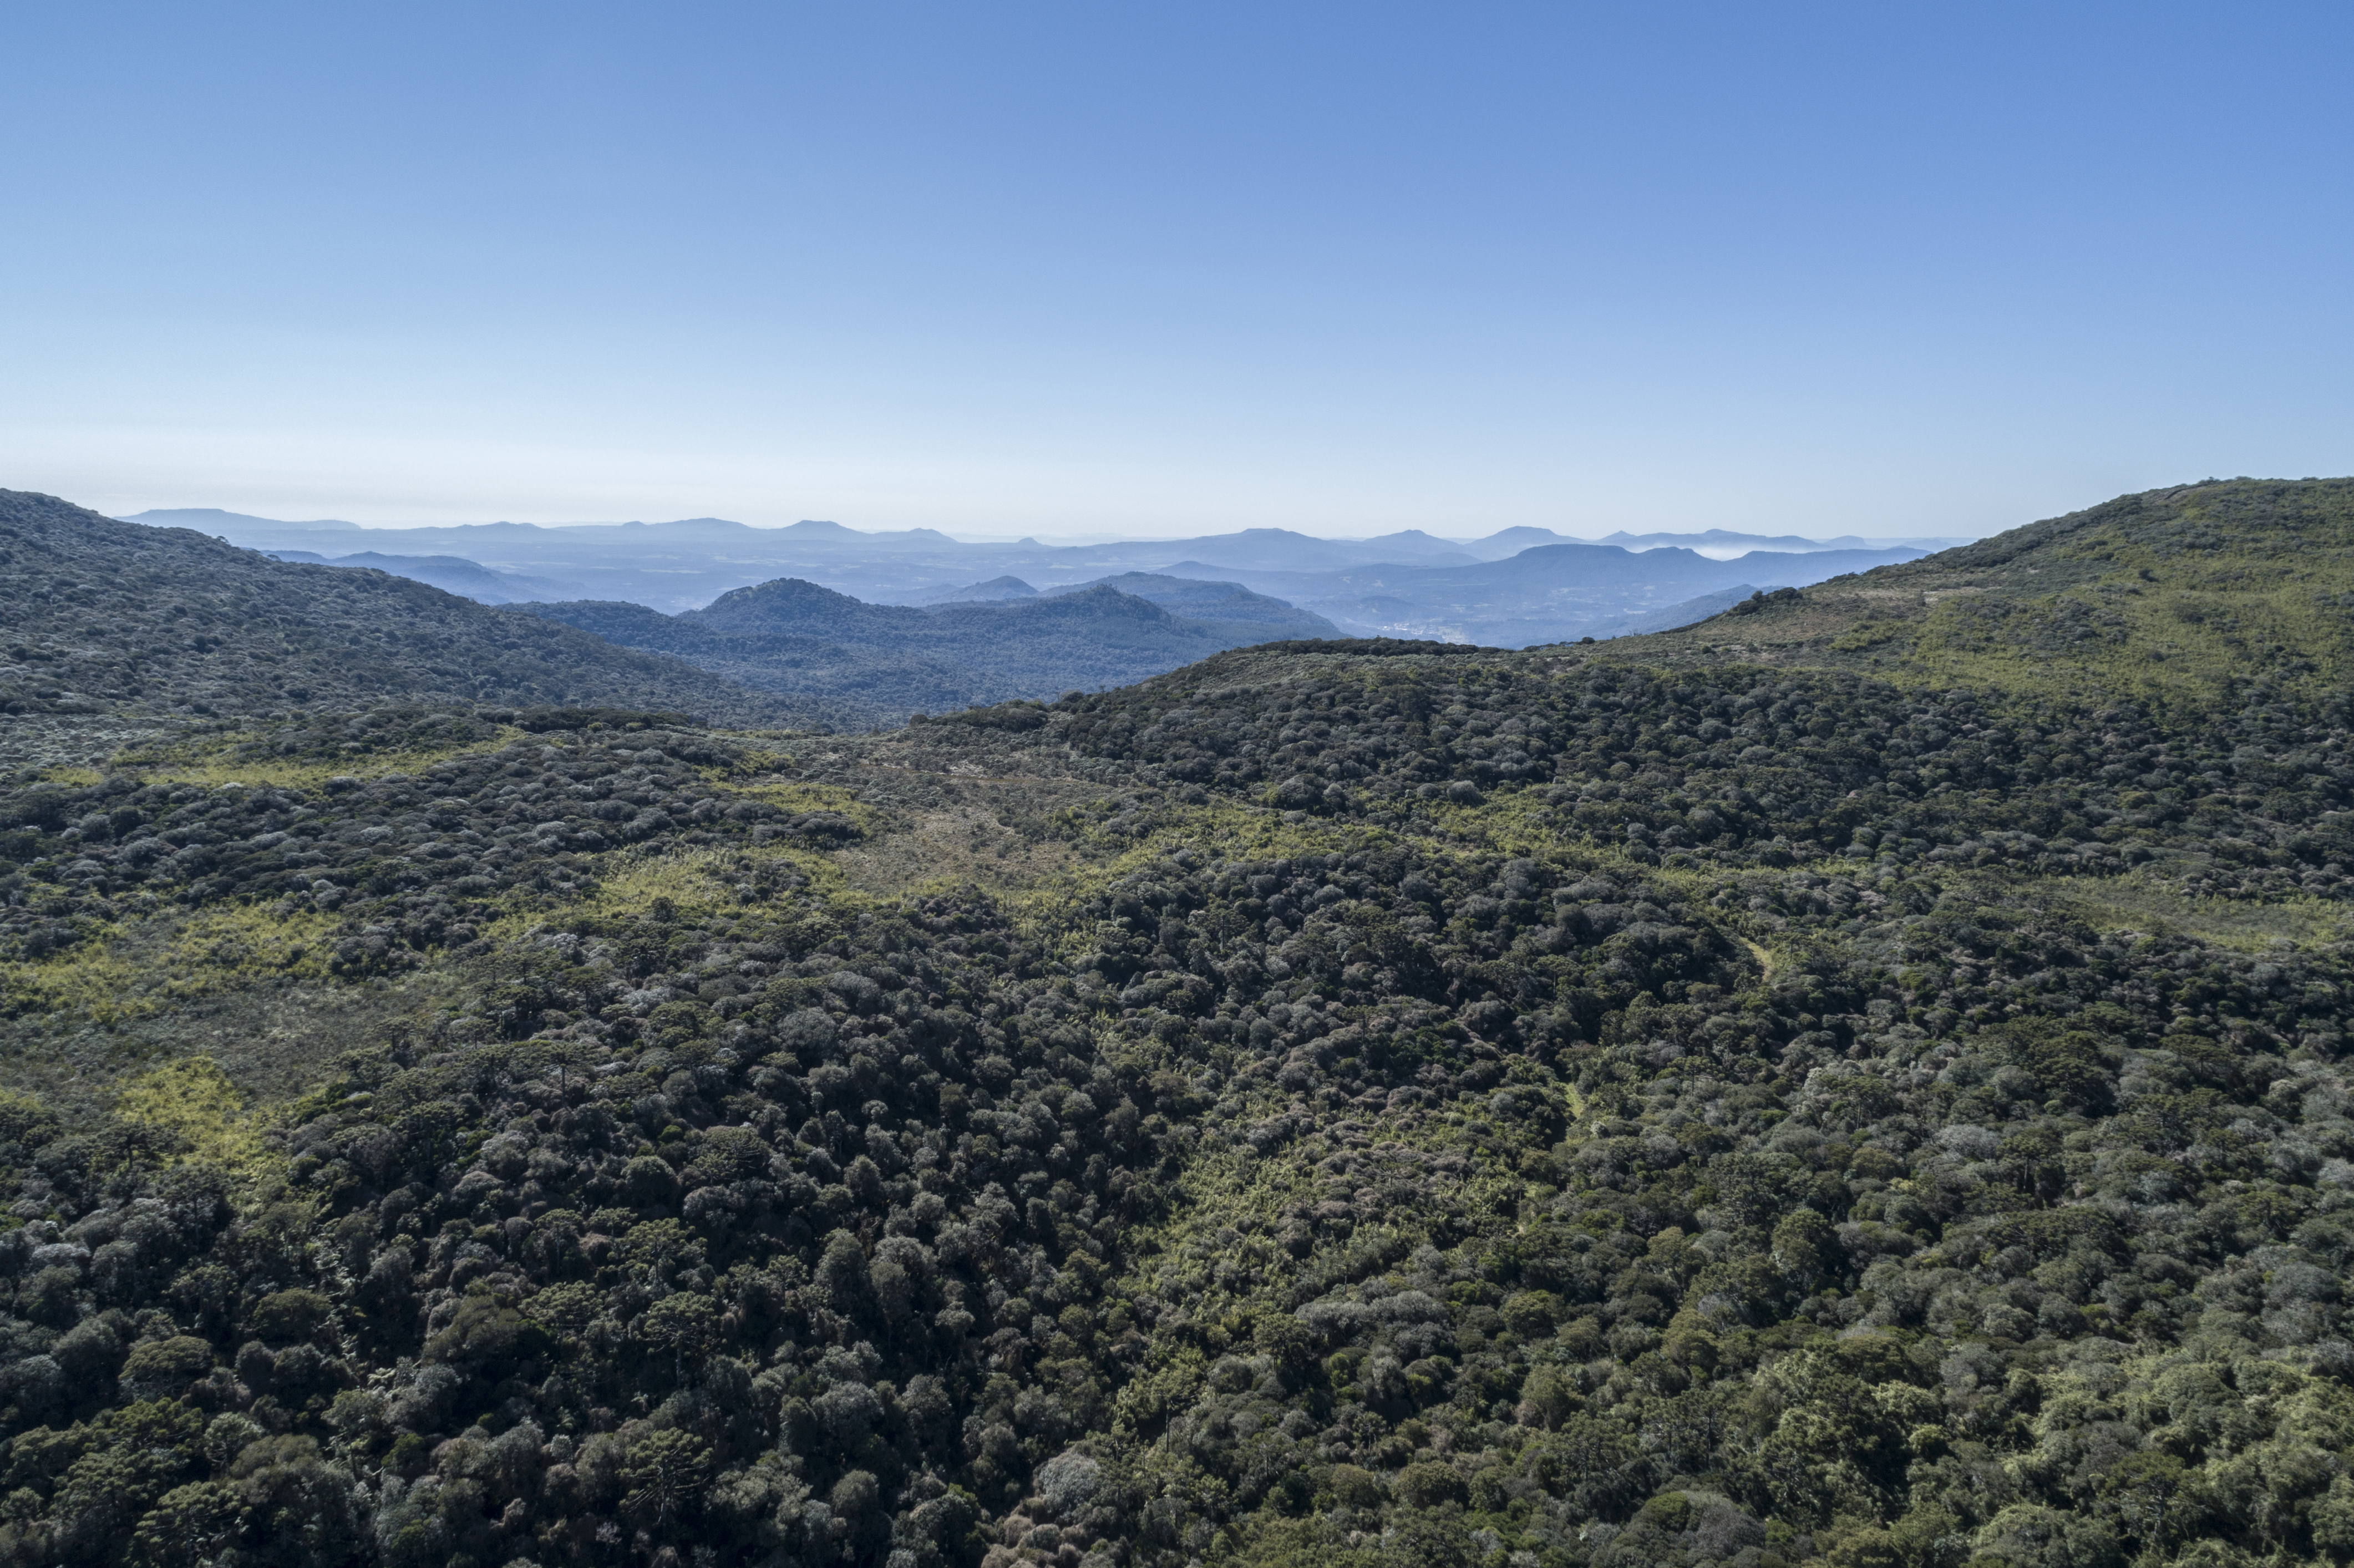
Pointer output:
x,y
1551,593
451,574
1516,586
105,617
809,643
1719,543
1230,605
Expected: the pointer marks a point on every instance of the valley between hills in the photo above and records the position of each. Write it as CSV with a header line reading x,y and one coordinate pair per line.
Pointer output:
x,y
1860,1079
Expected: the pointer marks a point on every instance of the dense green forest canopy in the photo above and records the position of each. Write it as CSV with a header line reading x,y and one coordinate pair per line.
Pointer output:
x,y
1860,1081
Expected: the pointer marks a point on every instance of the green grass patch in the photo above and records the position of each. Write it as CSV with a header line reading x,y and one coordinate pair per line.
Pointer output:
x,y
242,759
195,1100
130,971
2139,903
800,798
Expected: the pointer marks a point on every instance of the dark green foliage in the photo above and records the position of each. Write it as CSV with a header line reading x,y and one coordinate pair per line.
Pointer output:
x,y
1228,609
1731,767
1464,1108
407,863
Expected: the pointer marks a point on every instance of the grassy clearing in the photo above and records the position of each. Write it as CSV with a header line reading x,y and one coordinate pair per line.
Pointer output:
x,y
2173,646
1214,1246
274,1040
2139,903
696,884
2170,602
2158,621
752,762
789,795
132,969
1217,1194
1512,825
950,848
195,1100
215,761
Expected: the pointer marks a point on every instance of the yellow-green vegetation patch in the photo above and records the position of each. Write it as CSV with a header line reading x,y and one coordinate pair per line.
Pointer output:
x,y
1242,832
2121,636
1217,1194
237,760
1514,823
686,882
132,970
937,851
23,1119
750,762
2167,625
307,774
2142,903
252,940
789,795
91,979
194,1100
1221,830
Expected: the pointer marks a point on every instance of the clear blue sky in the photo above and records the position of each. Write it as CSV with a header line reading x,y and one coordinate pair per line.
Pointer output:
x,y
1884,269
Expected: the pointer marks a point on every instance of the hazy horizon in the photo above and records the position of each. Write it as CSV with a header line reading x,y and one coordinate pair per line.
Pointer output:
x,y
968,536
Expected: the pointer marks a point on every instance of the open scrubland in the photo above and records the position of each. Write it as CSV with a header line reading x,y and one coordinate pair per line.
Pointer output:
x,y
1860,1080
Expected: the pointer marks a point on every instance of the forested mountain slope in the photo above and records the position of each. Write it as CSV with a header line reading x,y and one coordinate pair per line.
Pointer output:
x,y
111,618
1361,1103
2177,595
1229,610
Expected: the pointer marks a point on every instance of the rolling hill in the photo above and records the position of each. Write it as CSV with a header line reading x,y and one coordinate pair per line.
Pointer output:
x,y
2188,594
797,638
1229,610
109,617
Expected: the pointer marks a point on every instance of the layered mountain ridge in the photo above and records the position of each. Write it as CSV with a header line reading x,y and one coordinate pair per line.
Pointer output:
x,y
113,618
1445,588
800,639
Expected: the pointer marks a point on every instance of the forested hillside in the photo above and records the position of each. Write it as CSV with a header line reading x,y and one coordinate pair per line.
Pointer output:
x,y
2179,595
113,618
1702,1098
1229,610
